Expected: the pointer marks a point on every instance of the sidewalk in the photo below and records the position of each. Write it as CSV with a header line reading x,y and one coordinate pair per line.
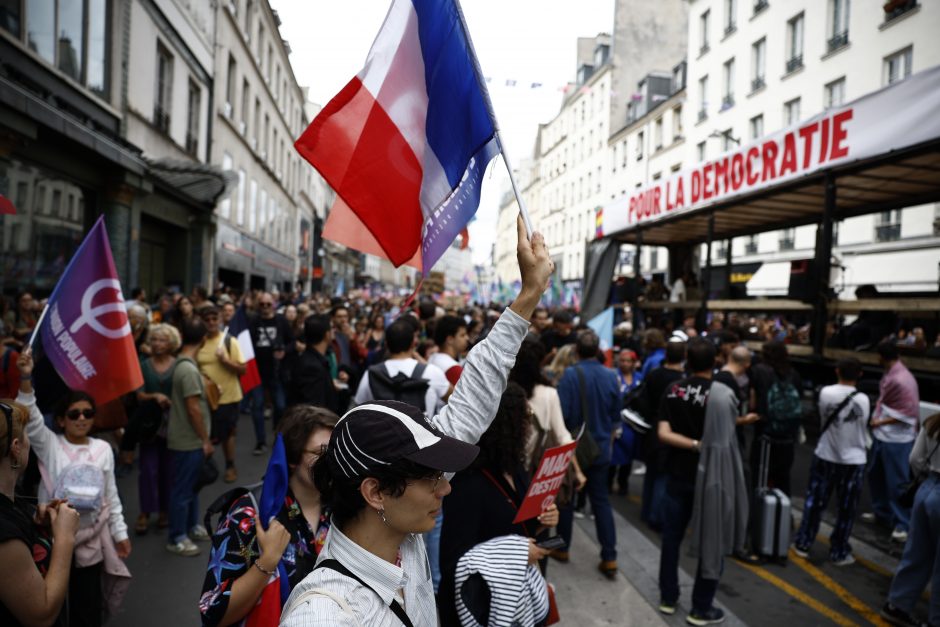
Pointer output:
x,y
587,598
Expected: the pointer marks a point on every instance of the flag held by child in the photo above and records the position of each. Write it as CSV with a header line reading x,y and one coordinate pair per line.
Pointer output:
x,y
406,142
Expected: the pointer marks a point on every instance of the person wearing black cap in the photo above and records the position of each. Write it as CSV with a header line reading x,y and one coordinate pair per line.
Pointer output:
x,y
387,470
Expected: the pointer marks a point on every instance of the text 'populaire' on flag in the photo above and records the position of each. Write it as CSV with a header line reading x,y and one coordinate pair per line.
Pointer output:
x,y
85,333
406,142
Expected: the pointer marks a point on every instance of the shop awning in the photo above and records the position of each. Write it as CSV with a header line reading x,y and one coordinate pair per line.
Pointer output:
x,y
881,151
771,279
206,184
898,271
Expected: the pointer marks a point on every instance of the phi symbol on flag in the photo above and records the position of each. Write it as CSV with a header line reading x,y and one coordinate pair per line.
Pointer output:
x,y
90,315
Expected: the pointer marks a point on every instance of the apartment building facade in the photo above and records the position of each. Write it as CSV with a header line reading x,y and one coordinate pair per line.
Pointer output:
x,y
757,66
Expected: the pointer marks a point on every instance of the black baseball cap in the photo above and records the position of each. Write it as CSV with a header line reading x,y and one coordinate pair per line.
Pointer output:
x,y
378,434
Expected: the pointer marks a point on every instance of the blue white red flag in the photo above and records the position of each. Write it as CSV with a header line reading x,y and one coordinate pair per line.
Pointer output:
x,y
406,142
238,328
85,332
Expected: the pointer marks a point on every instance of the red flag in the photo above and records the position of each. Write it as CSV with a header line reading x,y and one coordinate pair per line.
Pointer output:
x,y
238,328
6,206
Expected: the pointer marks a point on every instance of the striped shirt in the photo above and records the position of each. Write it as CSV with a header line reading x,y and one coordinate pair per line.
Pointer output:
x,y
466,416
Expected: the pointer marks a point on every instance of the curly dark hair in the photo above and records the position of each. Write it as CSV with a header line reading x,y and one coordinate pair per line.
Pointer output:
x,y
775,355
502,447
528,369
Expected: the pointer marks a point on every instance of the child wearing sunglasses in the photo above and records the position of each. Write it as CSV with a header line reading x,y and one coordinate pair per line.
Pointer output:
x,y
80,469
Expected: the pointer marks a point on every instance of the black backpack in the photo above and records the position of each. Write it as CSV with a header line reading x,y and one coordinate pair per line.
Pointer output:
x,y
411,390
222,505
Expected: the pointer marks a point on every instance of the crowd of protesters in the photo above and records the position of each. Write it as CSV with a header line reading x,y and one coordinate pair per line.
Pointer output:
x,y
446,412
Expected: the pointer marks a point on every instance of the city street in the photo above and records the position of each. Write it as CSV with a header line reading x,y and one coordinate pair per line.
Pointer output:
x,y
165,588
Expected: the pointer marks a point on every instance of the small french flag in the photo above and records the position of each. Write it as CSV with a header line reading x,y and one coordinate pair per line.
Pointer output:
x,y
238,328
406,142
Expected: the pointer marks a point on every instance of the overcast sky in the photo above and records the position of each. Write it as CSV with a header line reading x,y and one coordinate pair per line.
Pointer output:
x,y
528,41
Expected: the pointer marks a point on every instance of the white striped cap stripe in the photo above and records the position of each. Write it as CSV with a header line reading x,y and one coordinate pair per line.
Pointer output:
x,y
423,437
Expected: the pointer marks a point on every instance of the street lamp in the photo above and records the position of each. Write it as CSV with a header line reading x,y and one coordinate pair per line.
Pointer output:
x,y
725,135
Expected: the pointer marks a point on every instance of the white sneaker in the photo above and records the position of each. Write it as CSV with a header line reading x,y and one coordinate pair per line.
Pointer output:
x,y
199,533
800,552
184,547
578,514
868,517
639,470
899,535
848,560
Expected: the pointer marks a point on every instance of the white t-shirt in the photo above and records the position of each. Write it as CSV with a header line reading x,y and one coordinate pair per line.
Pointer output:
x,y
844,441
445,362
436,390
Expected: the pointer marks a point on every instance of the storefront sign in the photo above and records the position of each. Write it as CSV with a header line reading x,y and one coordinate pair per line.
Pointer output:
x,y
899,116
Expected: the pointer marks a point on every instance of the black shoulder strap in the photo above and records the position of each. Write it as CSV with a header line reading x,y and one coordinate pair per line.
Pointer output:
x,y
838,410
585,410
397,609
418,372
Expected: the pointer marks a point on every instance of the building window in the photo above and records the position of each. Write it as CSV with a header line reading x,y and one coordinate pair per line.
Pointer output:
x,y
248,20
240,209
257,123
70,34
898,65
164,89
791,112
703,31
263,216
192,119
757,126
750,245
225,208
838,24
728,139
727,97
654,258
731,7
703,98
639,145
230,87
267,135
700,151
787,239
658,134
246,99
758,63
888,226
795,43
897,8
624,153
677,123
835,93
253,205
760,5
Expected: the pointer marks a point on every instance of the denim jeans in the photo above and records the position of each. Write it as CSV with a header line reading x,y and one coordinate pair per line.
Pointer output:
x,y
432,542
654,485
888,469
847,481
677,504
920,562
596,489
275,389
184,501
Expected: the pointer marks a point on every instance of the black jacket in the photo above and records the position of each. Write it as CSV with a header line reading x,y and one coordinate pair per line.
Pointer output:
x,y
311,381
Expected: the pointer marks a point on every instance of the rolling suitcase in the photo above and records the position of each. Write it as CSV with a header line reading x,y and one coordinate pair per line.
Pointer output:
x,y
771,513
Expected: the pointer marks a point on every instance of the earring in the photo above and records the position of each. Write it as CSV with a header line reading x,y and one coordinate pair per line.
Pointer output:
x,y
14,465
381,514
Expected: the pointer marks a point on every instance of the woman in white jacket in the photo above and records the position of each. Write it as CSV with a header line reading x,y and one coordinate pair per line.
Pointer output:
x,y
80,469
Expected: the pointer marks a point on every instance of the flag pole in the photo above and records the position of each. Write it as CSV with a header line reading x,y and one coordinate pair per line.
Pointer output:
x,y
42,316
489,106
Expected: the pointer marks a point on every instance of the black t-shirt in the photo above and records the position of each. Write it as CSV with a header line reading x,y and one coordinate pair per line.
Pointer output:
x,y
269,335
723,376
684,407
15,526
657,382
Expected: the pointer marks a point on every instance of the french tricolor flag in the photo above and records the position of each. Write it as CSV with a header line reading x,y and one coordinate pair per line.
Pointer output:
x,y
406,142
238,329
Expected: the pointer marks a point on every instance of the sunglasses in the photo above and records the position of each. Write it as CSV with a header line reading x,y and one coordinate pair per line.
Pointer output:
x,y
75,414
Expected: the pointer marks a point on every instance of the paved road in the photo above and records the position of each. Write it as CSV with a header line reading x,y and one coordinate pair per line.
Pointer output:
x,y
165,589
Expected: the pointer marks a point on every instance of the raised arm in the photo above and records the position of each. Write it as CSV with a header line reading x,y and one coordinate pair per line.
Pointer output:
x,y
40,436
473,404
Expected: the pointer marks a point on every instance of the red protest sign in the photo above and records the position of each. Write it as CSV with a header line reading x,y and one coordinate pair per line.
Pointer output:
x,y
546,482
